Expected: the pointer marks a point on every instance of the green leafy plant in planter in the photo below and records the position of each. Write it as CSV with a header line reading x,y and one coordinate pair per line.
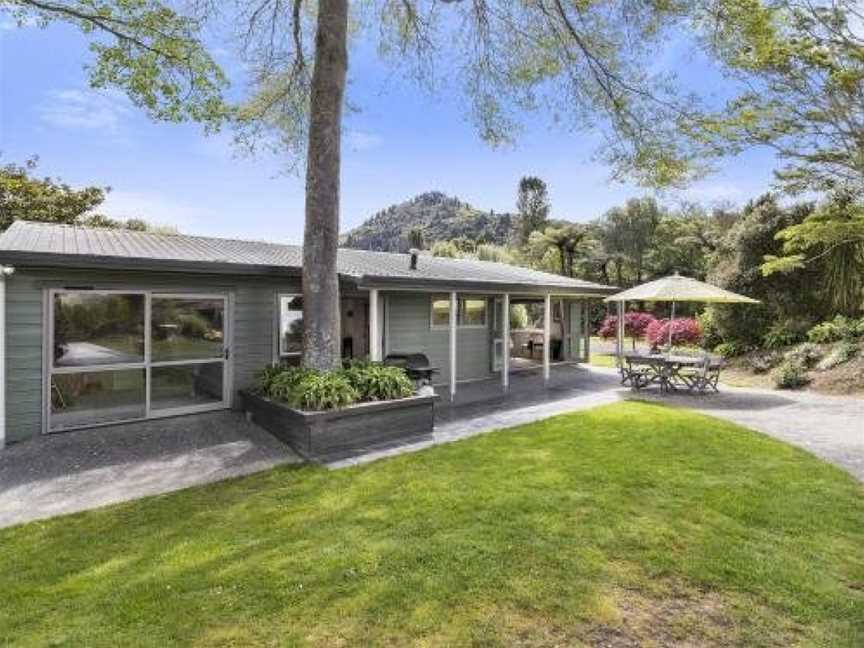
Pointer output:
x,y
278,383
312,390
323,391
377,382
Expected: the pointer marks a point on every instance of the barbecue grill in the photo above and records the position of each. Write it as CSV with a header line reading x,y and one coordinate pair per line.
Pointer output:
x,y
416,365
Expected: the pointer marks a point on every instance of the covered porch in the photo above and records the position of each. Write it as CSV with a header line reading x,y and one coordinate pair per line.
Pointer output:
x,y
472,337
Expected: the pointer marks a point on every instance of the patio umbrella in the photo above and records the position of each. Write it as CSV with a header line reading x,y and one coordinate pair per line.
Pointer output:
x,y
676,288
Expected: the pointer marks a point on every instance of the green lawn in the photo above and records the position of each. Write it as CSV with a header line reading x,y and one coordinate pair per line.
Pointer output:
x,y
634,521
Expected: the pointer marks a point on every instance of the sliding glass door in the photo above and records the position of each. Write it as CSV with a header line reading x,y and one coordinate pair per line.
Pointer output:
x,y
187,352
127,355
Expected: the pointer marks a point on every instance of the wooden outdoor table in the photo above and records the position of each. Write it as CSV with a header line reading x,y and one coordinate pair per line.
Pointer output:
x,y
665,370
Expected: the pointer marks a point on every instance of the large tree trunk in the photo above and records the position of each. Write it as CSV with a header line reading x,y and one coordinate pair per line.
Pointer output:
x,y
321,336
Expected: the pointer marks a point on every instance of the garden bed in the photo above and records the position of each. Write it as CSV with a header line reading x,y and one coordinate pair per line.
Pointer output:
x,y
346,432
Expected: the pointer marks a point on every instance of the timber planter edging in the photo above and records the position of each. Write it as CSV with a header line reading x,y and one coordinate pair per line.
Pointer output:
x,y
346,432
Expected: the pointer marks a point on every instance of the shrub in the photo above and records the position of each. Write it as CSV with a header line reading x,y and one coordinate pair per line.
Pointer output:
x,y
843,352
785,333
840,328
806,355
376,382
635,324
711,337
685,331
791,375
323,391
732,349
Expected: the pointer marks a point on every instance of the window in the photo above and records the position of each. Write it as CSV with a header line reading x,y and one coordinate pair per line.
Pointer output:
x,y
440,311
98,329
110,363
471,312
290,325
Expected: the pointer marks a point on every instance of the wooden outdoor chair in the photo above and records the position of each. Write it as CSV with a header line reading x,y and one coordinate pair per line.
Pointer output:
x,y
704,377
636,376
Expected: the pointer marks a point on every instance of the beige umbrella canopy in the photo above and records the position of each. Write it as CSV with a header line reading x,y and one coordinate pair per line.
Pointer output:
x,y
679,289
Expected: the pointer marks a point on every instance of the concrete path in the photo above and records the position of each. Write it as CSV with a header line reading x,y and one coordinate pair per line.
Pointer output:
x,y
64,473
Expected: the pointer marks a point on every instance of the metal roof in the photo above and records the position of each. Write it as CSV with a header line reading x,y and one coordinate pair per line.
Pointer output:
x,y
32,243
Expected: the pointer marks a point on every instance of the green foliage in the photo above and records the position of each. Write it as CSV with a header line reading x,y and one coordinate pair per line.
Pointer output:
x,y
417,238
806,355
831,240
279,383
48,200
735,265
566,239
710,335
731,349
446,249
518,317
532,203
842,353
496,253
802,75
840,328
435,215
24,197
785,333
145,49
318,391
791,375
377,382
628,232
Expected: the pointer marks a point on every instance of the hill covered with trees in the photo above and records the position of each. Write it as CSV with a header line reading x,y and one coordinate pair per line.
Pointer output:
x,y
432,216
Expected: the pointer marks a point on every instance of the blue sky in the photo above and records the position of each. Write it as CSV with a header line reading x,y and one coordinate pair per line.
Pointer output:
x,y
402,142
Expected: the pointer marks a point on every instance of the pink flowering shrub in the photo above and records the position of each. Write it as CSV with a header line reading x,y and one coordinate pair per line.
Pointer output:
x,y
685,331
635,324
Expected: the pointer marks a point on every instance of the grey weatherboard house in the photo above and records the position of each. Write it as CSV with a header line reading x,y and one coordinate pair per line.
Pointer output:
x,y
100,326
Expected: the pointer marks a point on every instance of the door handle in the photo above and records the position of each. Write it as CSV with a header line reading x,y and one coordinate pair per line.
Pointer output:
x,y
227,353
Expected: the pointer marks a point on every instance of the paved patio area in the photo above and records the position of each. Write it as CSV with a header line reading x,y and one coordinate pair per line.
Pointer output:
x,y
64,473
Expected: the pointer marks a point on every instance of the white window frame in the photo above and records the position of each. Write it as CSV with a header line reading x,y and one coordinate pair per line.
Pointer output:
x,y
279,337
432,299
147,364
460,310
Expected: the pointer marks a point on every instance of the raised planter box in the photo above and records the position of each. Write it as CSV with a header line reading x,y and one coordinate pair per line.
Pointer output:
x,y
337,434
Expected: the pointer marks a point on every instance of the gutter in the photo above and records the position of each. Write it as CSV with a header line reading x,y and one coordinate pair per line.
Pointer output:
x,y
446,285
5,271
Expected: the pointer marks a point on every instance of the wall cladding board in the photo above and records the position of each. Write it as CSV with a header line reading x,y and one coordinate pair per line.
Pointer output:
x,y
253,330
409,330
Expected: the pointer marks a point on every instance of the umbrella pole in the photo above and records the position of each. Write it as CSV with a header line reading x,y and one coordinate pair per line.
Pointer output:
x,y
671,321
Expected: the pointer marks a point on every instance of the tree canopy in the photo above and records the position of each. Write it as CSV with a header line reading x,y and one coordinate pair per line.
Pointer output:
x,y
23,196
